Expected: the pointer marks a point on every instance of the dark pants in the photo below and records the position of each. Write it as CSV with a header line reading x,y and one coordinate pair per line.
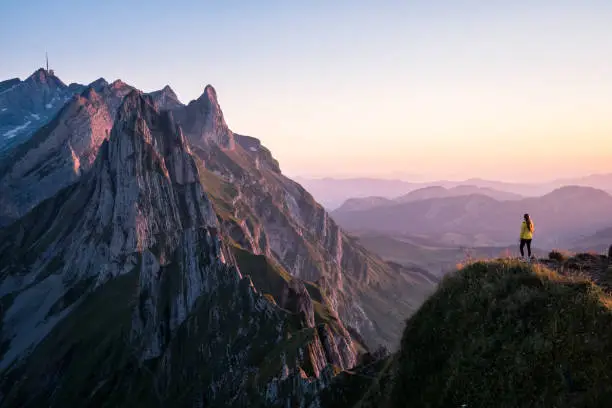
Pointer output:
x,y
523,242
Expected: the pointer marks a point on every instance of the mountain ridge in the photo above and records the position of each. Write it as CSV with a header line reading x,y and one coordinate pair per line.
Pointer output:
x,y
178,229
332,192
434,191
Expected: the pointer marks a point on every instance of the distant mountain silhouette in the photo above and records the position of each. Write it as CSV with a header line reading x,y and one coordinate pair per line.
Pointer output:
x,y
333,192
440,192
424,194
560,217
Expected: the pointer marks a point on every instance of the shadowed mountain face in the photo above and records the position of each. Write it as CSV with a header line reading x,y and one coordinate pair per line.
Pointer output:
x,y
203,122
27,105
152,257
59,152
477,220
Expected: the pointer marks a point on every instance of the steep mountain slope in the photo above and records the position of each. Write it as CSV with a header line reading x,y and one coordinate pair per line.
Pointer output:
x,y
118,291
60,151
477,220
27,105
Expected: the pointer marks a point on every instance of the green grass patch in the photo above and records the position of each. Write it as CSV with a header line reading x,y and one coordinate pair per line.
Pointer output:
x,y
507,334
273,362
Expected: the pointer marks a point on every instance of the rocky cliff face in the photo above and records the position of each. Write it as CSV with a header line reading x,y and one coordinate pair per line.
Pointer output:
x,y
120,282
203,122
59,152
166,99
212,279
270,214
27,105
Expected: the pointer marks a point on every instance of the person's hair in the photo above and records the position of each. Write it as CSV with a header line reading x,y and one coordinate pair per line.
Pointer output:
x,y
528,222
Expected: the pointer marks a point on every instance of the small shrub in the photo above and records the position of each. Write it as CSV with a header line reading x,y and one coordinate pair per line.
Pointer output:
x,y
558,256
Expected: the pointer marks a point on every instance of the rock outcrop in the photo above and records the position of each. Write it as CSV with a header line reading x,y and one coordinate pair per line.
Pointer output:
x,y
203,122
166,99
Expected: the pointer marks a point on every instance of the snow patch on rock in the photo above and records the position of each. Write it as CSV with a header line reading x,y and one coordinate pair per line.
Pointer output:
x,y
13,132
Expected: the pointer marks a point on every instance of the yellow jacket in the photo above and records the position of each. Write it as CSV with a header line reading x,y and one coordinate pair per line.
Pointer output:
x,y
525,232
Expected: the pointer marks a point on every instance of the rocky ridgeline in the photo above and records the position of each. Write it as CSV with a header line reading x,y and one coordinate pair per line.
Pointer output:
x,y
139,226
209,275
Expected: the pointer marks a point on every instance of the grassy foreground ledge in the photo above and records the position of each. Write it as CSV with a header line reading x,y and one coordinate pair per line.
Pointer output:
x,y
507,334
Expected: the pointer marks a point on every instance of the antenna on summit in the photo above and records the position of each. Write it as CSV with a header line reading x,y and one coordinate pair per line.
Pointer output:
x,y
49,71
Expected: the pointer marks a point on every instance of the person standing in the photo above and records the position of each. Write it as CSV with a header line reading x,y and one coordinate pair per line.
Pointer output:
x,y
527,229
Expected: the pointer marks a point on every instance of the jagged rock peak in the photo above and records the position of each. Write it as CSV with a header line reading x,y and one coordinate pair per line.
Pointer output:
x,y
203,122
166,99
210,94
89,93
119,84
145,142
134,101
98,83
138,115
42,76
169,91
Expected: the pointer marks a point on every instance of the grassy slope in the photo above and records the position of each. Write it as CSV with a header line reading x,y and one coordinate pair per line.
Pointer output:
x,y
270,278
505,334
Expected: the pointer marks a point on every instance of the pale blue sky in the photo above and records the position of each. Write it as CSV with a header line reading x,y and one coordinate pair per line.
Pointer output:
x,y
512,90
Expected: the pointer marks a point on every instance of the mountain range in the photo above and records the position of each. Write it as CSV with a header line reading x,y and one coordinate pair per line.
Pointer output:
x,y
426,193
149,256
473,220
333,192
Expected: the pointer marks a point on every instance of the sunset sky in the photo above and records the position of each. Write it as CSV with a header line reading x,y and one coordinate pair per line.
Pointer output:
x,y
517,90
